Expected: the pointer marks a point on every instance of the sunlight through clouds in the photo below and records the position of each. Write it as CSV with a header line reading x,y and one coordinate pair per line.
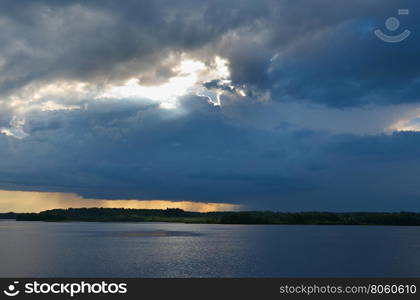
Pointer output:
x,y
190,75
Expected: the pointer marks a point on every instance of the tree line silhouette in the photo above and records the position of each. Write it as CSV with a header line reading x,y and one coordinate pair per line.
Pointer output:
x,y
246,217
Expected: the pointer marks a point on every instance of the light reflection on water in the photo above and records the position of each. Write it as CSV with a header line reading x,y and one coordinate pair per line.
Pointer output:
x,y
37,249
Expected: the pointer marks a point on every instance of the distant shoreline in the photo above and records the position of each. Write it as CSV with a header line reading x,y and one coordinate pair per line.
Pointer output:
x,y
240,218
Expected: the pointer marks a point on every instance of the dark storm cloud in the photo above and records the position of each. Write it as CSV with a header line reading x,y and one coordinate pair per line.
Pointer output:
x,y
106,40
326,51
352,68
135,151
129,150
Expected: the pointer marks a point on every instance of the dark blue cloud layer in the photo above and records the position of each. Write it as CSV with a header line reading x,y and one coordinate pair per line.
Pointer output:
x,y
128,150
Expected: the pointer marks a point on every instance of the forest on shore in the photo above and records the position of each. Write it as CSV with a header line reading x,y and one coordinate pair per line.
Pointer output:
x,y
243,217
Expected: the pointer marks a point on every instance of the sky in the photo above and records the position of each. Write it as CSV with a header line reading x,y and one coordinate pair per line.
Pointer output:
x,y
287,105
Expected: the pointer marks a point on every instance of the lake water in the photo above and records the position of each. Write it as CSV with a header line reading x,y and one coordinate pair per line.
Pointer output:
x,y
37,249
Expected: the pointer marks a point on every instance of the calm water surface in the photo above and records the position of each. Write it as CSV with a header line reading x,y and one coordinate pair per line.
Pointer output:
x,y
37,249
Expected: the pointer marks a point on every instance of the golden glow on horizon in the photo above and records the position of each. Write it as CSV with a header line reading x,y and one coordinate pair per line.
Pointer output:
x,y
404,125
21,201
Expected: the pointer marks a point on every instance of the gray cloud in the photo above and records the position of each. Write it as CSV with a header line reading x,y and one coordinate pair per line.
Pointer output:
x,y
131,150
103,42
